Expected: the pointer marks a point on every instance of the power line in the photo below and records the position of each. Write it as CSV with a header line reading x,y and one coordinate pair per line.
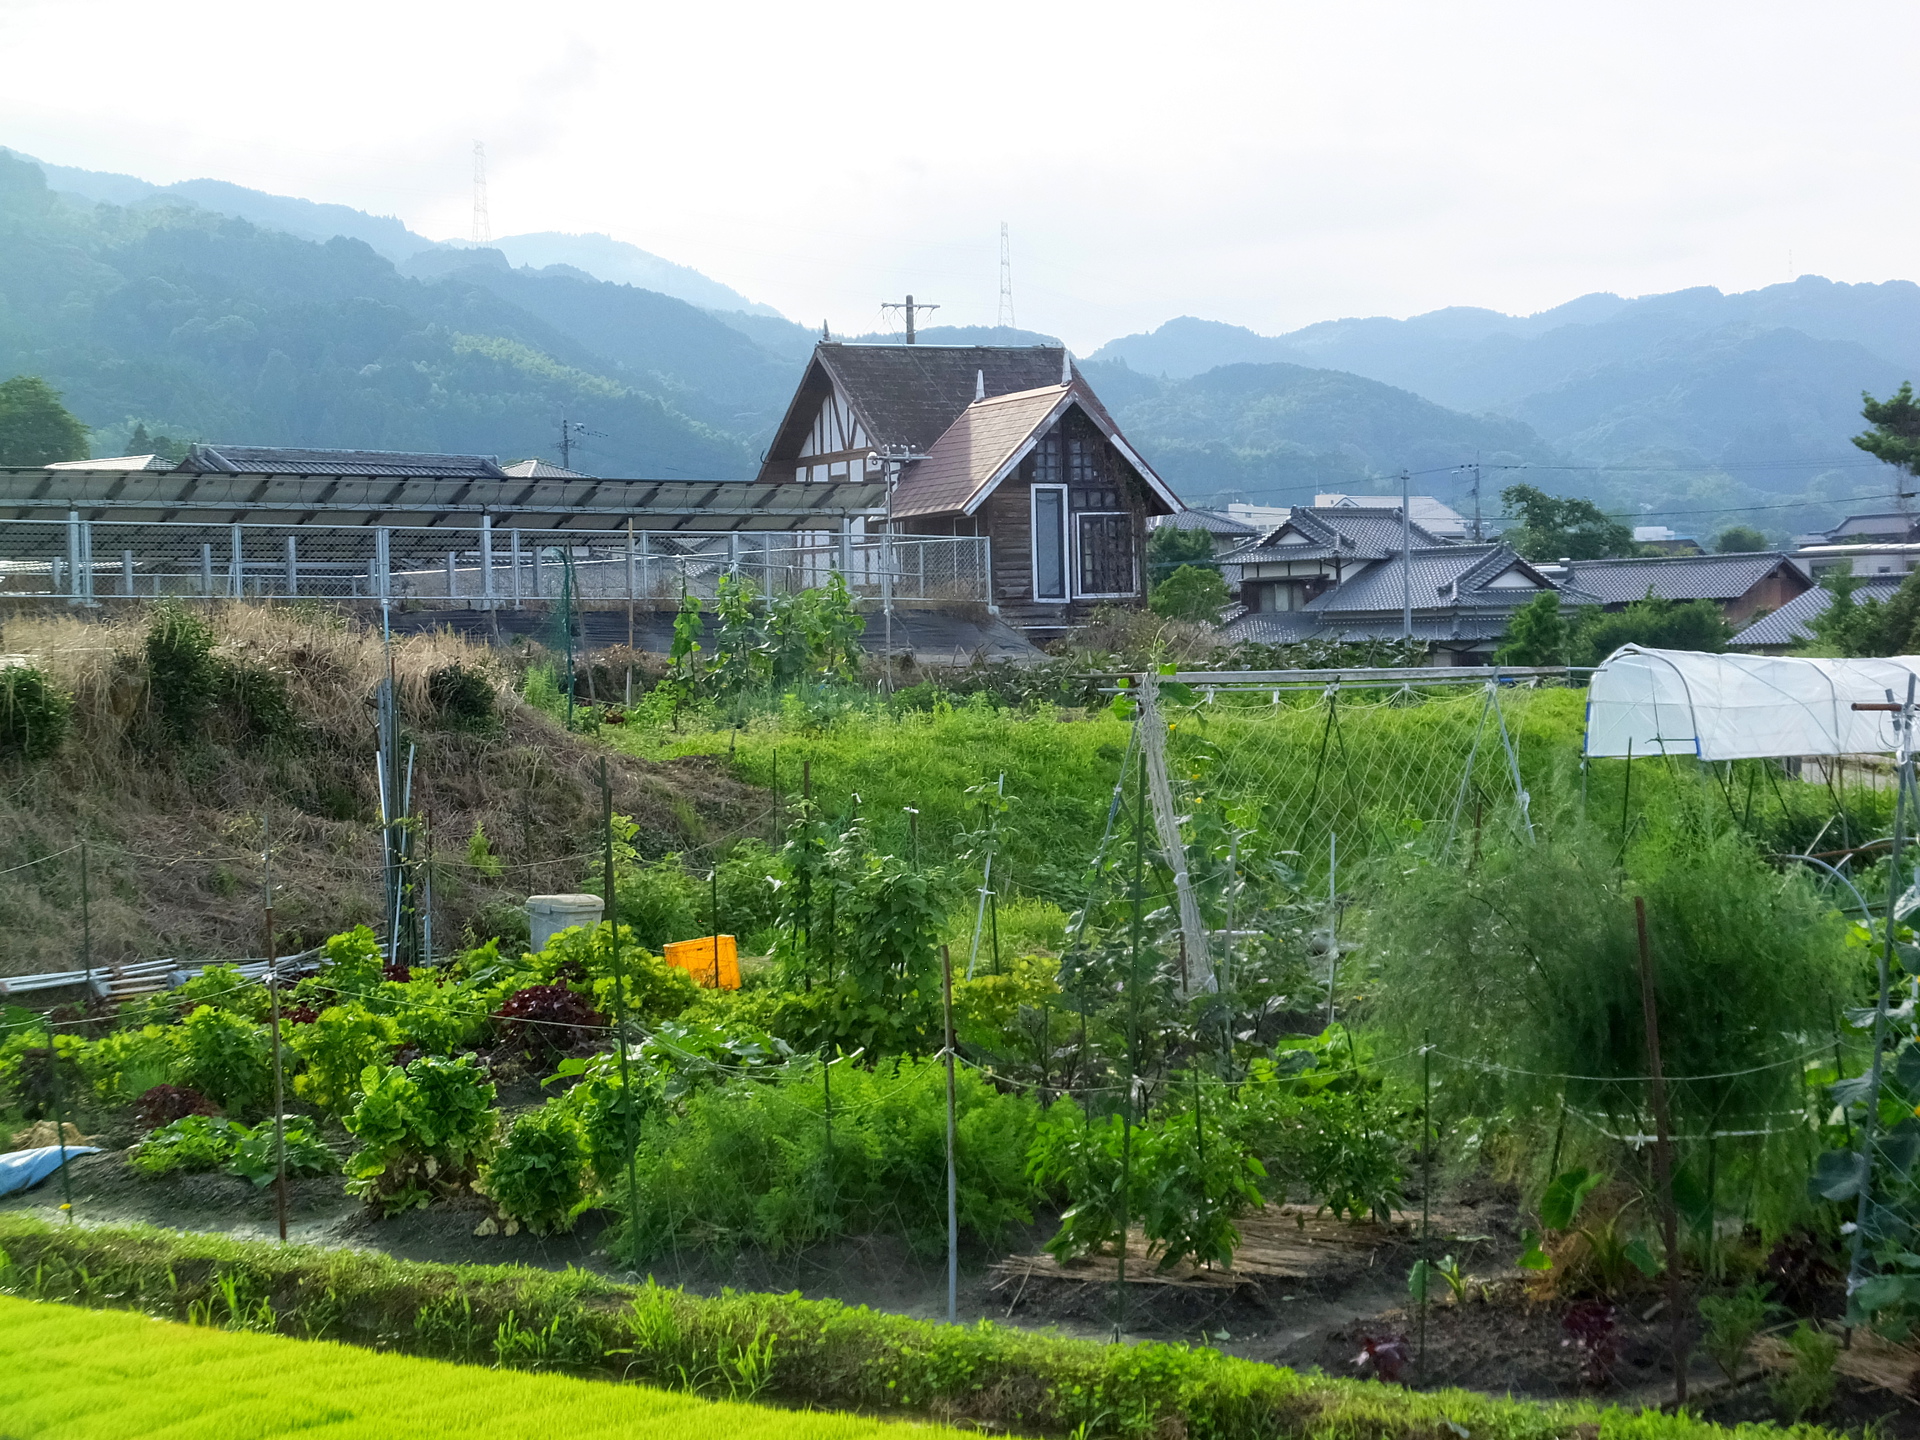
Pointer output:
x,y
1006,279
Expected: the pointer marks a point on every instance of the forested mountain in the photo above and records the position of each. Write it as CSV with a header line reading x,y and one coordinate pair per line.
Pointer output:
x,y
210,328
1765,384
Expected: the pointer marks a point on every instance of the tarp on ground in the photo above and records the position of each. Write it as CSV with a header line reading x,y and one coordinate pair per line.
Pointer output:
x,y
1740,707
20,1169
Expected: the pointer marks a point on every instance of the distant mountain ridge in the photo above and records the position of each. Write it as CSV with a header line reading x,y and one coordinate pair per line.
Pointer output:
x,y
601,256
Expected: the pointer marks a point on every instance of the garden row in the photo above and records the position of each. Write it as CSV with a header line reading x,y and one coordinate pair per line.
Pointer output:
x,y
801,1352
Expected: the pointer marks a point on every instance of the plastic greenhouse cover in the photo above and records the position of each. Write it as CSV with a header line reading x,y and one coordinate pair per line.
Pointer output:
x,y
1740,707
23,1168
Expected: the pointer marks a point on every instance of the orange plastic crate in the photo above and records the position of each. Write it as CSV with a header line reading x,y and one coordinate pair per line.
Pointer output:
x,y
696,958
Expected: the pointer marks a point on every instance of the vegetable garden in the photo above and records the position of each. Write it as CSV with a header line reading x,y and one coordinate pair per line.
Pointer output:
x,y
1122,979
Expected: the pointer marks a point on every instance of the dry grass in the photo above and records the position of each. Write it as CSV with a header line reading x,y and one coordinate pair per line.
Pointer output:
x,y
175,832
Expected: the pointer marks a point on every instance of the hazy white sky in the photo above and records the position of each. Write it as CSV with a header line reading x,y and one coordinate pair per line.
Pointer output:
x,y
1270,163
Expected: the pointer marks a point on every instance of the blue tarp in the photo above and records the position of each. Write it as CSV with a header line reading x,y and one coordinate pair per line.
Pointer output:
x,y
22,1168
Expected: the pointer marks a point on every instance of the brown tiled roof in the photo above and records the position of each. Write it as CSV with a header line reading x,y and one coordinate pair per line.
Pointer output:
x,y
976,450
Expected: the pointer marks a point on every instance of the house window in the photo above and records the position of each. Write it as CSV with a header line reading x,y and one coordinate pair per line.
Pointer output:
x,y
1049,542
1046,461
1105,546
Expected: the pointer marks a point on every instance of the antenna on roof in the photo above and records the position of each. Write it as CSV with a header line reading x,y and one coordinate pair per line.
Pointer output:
x,y
909,307
979,385
1006,279
482,225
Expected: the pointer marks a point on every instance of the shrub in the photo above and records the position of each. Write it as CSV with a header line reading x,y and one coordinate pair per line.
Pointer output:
x,y
191,1145
538,1176
1805,1387
226,1057
183,678
336,1049
164,1104
254,1151
34,716
422,1131
462,699
1194,593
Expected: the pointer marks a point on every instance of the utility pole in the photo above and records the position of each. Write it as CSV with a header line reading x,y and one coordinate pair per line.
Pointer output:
x,y
1406,558
908,307
1006,279
1477,536
569,430
482,225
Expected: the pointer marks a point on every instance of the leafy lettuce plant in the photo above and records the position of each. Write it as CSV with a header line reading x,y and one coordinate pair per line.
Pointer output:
x,y
254,1151
423,1131
537,1178
191,1146
336,1049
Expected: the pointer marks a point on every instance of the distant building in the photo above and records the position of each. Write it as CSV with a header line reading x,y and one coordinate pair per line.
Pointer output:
x,y
116,462
542,470
1869,546
1439,520
1339,573
1792,623
1225,532
1742,585
295,460
1006,442
1663,541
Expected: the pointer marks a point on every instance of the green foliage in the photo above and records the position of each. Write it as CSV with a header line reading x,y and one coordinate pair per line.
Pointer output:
x,y
1169,547
1806,1386
183,678
124,1064
1731,1323
480,856
819,1353
35,716
227,1058
1659,624
1895,436
1870,627
336,1050
538,1175
224,988
752,1162
434,1017
1536,635
462,699
191,1146
655,990
742,660
35,428
1193,593
255,1151
422,1131
1739,540
1553,527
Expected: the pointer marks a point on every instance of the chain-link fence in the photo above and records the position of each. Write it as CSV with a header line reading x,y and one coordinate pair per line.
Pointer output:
x,y
482,567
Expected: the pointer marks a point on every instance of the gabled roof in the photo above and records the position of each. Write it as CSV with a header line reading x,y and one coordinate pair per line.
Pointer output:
x,y
906,395
1889,523
1443,576
280,460
1348,533
541,470
1793,621
1440,519
992,436
1677,577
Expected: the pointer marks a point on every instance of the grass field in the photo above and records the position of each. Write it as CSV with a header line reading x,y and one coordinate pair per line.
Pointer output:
x,y
73,1374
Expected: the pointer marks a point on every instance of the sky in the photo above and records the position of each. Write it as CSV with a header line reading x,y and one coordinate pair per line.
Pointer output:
x,y
1270,164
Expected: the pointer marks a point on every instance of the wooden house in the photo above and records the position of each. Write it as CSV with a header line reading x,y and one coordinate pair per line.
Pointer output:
x,y
1005,442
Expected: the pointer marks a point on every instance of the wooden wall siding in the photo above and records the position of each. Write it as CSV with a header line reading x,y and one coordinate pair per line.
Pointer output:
x,y
836,446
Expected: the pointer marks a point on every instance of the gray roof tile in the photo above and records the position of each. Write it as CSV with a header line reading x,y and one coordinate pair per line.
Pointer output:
x,y
1791,623
1676,577
284,460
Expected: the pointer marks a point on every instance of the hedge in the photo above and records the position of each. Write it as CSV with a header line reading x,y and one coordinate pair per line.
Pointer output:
x,y
814,1353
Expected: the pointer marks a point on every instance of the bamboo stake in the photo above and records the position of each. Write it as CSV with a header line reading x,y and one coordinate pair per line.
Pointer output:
x,y
953,1180
620,1012
1663,1156
279,1072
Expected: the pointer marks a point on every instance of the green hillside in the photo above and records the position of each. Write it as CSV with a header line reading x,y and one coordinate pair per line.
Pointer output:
x,y
205,327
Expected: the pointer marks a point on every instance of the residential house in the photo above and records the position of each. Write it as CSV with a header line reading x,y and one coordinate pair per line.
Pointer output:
x,y
1790,625
1662,540
1004,442
1351,573
1743,585
1431,514
1869,546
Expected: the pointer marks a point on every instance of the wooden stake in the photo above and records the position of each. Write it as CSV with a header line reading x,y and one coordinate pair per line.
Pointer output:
x,y
279,1074
1662,1156
953,1181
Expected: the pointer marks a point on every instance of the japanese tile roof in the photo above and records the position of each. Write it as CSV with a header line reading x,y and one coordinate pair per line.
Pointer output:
x,y
1351,533
910,394
977,449
542,470
1214,522
1676,577
1861,527
1792,622
280,460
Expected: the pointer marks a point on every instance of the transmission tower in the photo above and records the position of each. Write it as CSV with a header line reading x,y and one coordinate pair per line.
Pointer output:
x,y
482,226
1006,278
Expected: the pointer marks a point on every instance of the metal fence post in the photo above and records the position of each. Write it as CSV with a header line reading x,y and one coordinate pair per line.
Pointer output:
x,y
86,559
513,543
73,554
383,563
631,594
486,559
536,570
126,573
236,574
206,571
453,577
293,566
846,551
646,576
733,557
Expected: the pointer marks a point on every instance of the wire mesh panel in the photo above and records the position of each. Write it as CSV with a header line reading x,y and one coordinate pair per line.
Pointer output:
x,y
480,566
1371,767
